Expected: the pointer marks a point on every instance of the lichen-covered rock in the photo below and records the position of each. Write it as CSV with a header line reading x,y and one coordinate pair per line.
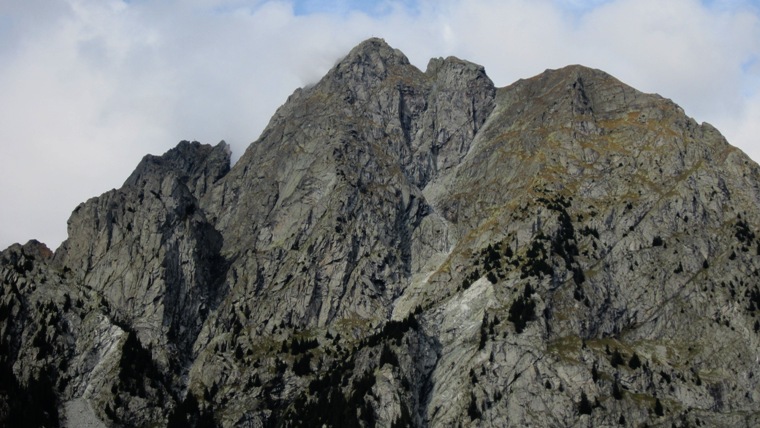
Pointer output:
x,y
406,248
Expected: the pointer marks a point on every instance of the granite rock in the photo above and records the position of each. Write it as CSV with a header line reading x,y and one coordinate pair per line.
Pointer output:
x,y
406,248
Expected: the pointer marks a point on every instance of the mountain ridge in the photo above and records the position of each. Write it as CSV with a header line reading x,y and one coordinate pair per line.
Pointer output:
x,y
402,247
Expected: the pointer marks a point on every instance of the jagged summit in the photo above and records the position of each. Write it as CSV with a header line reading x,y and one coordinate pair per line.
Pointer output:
x,y
368,63
191,161
575,71
375,50
406,248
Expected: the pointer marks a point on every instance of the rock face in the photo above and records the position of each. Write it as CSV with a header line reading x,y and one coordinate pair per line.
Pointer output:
x,y
406,248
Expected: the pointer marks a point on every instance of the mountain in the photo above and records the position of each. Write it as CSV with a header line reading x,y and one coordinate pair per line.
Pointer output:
x,y
406,248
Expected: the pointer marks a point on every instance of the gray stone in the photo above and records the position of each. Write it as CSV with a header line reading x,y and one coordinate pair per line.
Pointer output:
x,y
410,248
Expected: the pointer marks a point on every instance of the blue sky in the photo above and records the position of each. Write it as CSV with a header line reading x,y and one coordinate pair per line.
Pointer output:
x,y
90,86
381,7
341,7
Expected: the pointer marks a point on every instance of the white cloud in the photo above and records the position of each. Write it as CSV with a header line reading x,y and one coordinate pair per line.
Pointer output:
x,y
90,86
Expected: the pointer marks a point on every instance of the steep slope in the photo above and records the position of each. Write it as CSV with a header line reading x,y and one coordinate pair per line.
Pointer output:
x,y
400,248
606,223
117,309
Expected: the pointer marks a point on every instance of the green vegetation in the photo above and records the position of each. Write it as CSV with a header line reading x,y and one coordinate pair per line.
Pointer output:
x,y
337,396
658,409
743,233
136,367
302,366
584,406
472,410
523,309
617,393
188,414
616,359
634,362
487,330
536,264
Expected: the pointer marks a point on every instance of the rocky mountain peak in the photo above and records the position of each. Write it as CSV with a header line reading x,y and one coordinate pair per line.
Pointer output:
x,y
372,58
197,165
406,248
36,250
453,64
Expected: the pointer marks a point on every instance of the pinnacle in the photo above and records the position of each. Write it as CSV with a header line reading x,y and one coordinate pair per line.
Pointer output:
x,y
575,72
373,52
436,64
375,45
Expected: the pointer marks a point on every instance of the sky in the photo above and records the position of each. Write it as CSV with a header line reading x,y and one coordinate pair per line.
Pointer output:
x,y
88,87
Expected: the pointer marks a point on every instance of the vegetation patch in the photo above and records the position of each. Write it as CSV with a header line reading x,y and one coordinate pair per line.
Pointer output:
x,y
566,347
523,309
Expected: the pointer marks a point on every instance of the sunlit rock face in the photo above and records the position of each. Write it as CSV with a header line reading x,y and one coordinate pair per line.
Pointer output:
x,y
406,248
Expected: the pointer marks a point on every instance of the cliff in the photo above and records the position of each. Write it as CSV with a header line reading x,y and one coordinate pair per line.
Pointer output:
x,y
406,248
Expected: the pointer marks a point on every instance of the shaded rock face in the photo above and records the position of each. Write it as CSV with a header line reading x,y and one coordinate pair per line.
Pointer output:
x,y
406,248
149,250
